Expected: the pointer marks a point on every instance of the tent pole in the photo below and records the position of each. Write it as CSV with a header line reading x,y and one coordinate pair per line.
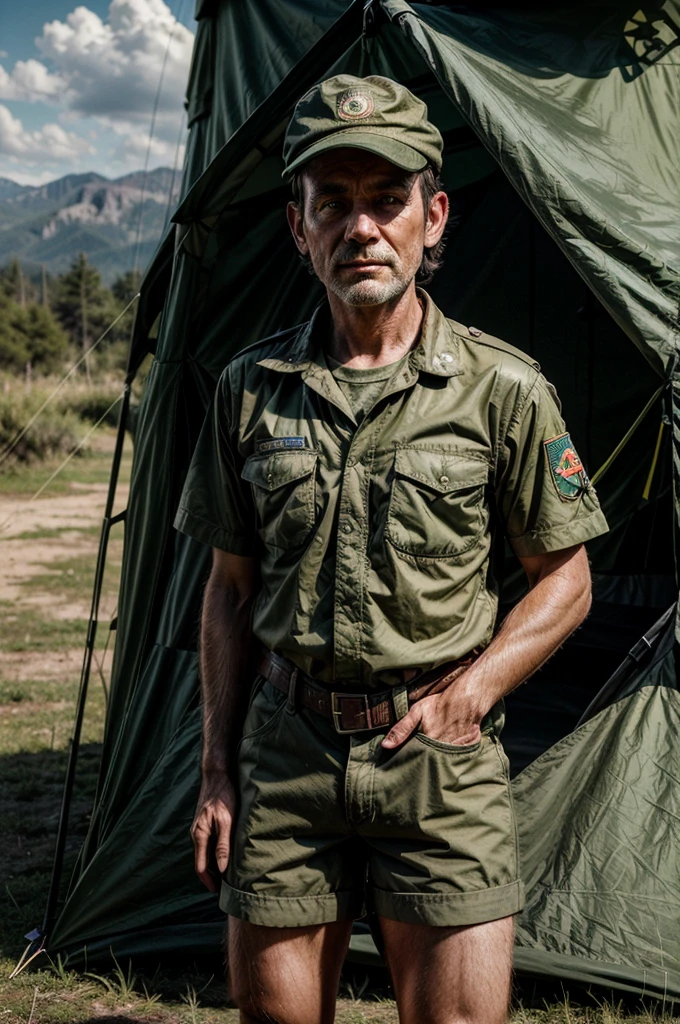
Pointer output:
x,y
107,523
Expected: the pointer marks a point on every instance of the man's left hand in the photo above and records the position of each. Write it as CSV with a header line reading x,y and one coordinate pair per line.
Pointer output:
x,y
452,716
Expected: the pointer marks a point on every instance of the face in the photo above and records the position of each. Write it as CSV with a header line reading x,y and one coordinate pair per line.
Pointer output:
x,y
363,225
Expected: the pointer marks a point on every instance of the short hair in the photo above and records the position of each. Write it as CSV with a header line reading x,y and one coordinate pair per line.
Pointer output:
x,y
430,183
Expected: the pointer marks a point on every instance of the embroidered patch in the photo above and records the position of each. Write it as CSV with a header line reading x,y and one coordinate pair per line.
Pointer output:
x,y
353,105
278,443
566,469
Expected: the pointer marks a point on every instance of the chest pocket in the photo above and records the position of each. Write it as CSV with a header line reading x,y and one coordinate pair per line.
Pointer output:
x,y
283,485
437,505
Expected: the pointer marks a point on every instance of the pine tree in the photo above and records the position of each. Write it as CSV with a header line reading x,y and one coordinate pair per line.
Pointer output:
x,y
30,337
83,305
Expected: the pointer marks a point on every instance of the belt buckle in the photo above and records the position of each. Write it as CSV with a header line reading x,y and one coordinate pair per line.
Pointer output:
x,y
336,711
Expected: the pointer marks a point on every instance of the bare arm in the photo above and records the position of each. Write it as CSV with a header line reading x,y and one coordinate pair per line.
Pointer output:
x,y
226,657
558,601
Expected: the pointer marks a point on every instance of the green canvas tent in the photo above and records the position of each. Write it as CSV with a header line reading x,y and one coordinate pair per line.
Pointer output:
x,y
562,138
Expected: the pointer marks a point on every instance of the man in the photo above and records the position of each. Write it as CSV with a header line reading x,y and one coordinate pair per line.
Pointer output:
x,y
351,480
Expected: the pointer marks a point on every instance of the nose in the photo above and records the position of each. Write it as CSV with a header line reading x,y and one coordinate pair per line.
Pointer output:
x,y
361,227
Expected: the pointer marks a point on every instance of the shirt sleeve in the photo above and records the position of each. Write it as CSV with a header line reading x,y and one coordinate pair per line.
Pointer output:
x,y
543,494
216,506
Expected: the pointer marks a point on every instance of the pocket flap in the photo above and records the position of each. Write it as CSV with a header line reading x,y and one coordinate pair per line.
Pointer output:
x,y
276,469
441,471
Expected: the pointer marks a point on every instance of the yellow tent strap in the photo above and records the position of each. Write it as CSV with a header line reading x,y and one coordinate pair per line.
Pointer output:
x,y
626,438
655,459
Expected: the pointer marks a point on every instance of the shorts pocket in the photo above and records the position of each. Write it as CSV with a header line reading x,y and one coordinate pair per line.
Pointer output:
x,y
284,492
450,748
265,708
437,506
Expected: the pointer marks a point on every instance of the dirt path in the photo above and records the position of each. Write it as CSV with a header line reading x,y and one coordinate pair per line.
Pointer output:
x,y
48,551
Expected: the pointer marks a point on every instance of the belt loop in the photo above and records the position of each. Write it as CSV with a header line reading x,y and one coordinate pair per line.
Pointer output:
x,y
291,702
400,701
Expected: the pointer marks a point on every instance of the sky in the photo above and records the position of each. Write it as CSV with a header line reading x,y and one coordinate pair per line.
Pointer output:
x,y
78,84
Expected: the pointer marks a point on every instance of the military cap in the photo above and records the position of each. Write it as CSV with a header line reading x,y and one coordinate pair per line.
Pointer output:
x,y
373,113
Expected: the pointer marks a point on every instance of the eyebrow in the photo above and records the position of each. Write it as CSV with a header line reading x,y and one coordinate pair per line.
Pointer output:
x,y
330,188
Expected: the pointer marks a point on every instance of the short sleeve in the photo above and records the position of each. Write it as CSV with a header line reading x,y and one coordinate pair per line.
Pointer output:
x,y
543,494
216,506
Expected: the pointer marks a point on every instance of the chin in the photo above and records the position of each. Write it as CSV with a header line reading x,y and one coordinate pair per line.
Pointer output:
x,y
368,293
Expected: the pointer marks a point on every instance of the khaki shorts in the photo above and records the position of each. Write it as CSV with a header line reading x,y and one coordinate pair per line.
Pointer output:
x,y
327,822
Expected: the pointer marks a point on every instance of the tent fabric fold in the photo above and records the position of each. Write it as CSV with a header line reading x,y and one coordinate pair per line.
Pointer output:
x,y
561,152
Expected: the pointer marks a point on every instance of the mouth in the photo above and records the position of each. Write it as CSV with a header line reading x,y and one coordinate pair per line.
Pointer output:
x,y
361,265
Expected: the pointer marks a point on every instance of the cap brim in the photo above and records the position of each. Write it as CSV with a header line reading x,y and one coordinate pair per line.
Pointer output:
x,y
397,153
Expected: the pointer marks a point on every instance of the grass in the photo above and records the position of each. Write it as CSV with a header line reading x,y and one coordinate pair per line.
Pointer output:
x,y
75,575
40,659
27,629
92,467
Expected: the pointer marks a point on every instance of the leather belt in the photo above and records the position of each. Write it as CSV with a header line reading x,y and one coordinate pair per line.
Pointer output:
x,y
357,712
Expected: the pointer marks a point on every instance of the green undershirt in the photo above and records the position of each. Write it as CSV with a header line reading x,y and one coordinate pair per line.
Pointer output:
x,y
363,388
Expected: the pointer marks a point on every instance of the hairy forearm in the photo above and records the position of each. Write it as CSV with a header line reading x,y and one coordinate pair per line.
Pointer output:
x,y
536,627
226,669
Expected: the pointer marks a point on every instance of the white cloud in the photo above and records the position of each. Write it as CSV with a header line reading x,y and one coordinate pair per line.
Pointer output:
x,y
48,144
30,80
31,177
106,72
132,150
111,69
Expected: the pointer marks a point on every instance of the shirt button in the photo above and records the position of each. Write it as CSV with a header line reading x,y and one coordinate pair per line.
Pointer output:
x,y
443,479
347,528
446,357
351,461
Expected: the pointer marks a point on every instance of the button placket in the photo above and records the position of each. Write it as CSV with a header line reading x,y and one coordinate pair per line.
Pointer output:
x,y
349,568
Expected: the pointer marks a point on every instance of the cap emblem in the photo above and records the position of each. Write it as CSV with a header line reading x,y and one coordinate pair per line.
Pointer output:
x,y
354,105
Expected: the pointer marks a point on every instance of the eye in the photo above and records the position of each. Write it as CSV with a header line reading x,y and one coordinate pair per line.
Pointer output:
x,y
390,200
331,204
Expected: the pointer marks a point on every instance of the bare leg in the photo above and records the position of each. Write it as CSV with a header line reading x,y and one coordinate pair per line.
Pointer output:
x,y
450,975
286,975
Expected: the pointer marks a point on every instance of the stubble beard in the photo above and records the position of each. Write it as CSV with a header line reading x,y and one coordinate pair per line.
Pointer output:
x,y
368,291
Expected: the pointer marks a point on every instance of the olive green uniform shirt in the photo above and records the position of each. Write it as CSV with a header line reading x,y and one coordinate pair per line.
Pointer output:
x,y
374,539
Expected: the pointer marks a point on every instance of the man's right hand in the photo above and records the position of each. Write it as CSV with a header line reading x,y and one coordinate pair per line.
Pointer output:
x,y
211,829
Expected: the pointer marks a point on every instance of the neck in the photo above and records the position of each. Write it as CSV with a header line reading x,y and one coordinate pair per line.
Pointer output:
x,y
366,336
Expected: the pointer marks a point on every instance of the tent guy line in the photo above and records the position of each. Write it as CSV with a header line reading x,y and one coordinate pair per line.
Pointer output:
x,y
58,470
152,126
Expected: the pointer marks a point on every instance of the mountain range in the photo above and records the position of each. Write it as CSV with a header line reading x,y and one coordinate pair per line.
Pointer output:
x,y
49,225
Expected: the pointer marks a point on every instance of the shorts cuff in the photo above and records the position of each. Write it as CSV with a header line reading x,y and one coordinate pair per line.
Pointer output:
x,y
290,911
450,910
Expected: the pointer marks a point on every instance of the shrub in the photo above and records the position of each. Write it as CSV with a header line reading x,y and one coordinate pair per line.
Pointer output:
x,y
91,403
55,432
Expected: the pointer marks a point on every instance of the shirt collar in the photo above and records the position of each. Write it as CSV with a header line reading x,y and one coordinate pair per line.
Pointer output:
x,y
304,347
437,352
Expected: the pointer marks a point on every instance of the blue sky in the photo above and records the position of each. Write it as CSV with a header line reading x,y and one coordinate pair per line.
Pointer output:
x,y
78,82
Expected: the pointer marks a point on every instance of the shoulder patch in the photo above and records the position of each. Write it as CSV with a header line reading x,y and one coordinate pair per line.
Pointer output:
x,y
566,469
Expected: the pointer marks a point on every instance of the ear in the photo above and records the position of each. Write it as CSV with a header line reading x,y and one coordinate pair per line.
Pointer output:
x,y
294,215
437,216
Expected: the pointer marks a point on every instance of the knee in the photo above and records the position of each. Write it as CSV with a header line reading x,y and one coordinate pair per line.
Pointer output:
x,y
257,1007
263,1009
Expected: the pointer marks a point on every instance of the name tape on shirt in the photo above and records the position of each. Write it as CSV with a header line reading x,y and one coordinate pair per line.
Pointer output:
x,y
277,444
566,469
